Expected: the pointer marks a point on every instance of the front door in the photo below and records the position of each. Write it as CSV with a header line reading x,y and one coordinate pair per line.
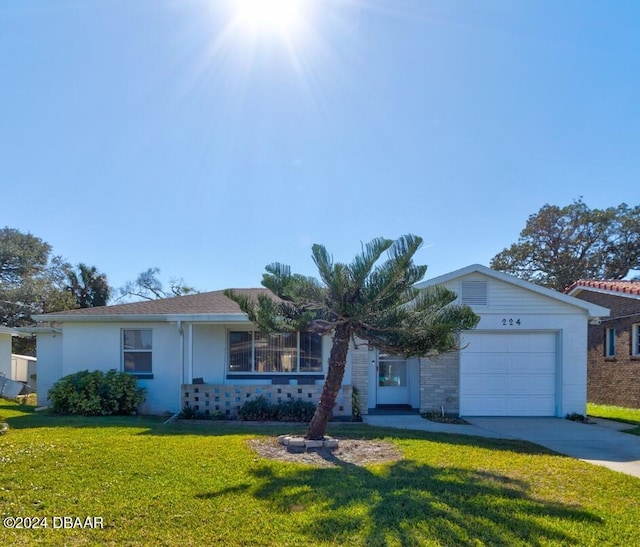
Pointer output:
x,y
393,380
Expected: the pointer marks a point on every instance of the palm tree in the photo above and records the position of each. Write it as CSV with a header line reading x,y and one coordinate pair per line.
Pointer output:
x,y
89,287
372,301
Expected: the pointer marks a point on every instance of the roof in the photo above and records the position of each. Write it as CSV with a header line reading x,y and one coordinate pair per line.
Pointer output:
x,y
7,330
204,306
25,357
611,286
592,309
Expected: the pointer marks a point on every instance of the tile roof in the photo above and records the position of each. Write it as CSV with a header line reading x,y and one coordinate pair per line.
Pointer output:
x,y
624,287
214,302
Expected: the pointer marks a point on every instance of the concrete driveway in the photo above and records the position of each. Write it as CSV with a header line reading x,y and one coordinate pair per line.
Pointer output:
x,y
601,443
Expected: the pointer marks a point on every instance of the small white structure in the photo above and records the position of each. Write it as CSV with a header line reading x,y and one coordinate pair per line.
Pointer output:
x,y
23,369
6,334
527,356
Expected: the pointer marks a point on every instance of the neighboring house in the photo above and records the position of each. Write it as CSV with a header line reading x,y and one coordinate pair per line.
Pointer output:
x,y
613,375
6,334
23,369
527,356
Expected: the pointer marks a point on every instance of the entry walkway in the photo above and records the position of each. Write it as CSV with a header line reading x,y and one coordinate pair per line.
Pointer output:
x,y
601,443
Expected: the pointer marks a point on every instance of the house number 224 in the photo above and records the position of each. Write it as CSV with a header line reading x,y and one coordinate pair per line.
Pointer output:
x,y
510,322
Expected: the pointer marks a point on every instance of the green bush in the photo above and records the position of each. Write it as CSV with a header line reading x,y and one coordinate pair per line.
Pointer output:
x,y
96,394
356,413
261,409
295,411
189,413
258,409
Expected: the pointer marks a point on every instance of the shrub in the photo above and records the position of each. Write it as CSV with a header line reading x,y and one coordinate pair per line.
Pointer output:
x,y
356,413
258,409
96,394
295,411
189,413
261,409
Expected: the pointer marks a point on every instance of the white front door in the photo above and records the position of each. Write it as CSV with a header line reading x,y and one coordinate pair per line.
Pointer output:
x,y
393,380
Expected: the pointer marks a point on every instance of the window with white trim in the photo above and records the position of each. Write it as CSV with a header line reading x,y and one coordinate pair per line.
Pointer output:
x,y
635,340
137,351
285,352
610,342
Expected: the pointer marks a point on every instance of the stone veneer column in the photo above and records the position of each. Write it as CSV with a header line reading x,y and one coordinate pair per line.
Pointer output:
x,y
360,373
440,383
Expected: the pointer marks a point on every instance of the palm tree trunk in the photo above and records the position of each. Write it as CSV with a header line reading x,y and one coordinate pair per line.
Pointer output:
x,y
333,383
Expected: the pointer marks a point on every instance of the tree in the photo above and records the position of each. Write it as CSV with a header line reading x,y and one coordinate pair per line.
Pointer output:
x,y
89,287
31,281
21,256
560,245
365,299
147,286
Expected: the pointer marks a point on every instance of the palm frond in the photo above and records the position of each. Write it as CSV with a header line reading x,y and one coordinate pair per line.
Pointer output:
x,y
323,261
362,265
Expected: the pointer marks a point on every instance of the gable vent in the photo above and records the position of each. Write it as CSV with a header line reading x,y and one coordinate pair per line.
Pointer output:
x,y
474,293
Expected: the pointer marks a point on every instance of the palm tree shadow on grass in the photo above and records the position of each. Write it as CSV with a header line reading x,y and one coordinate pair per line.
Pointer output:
x,y
410,503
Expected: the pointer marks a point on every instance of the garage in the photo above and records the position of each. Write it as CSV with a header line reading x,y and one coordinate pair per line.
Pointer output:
x,y
509,374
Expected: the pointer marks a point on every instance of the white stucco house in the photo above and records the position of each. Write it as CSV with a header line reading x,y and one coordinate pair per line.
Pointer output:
x,y
527,356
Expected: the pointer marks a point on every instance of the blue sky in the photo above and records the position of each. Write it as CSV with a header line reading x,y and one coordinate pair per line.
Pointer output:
x,y
174,134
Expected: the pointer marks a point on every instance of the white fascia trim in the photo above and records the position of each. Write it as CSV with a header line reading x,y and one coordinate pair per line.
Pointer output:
x,y
580,288
210,318
39,330
592,309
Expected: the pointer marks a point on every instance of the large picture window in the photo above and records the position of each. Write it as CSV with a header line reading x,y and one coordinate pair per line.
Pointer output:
x,y
290,352
137,349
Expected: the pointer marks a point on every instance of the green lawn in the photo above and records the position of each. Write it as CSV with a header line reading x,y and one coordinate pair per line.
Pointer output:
x,y
618,413
199,484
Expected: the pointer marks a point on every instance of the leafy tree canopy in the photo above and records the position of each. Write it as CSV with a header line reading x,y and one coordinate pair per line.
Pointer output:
x,y
21,256
372,299
31,281
560,245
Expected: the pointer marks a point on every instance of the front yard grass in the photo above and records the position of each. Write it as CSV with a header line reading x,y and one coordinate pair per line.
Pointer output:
x,y
198,484
618,413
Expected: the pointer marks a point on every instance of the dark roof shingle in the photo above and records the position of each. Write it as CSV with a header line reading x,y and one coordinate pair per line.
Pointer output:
x,y
214,302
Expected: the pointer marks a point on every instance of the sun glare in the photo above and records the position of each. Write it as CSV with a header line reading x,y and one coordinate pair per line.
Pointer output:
x,y
271,16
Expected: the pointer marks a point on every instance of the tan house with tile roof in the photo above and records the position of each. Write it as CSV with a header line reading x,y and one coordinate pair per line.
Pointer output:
x,y
613,371
527,356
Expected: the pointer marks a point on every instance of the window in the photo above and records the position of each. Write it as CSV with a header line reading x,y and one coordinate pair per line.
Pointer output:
x,y
392,371
635,339
610,342
288,352
137,350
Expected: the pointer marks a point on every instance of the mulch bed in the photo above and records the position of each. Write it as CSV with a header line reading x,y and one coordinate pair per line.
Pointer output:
x,y
349,452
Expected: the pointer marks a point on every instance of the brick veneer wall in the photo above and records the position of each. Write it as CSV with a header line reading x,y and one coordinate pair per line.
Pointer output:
x,y
613,380
440,383
227,399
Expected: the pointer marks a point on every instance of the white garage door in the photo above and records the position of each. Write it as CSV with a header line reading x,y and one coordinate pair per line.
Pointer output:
x,y
508,374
